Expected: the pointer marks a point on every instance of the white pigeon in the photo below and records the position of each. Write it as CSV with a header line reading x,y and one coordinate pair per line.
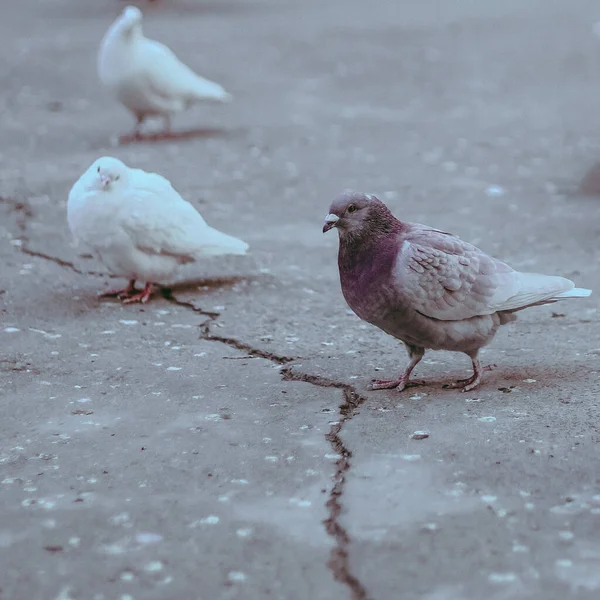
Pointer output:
x,y
139,227
146,76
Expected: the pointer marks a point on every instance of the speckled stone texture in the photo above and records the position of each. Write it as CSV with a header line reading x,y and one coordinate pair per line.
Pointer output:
x,y
221,442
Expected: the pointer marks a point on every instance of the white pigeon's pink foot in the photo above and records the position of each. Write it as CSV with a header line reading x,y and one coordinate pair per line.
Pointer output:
x,y
163,135
127,292
141,297
150,137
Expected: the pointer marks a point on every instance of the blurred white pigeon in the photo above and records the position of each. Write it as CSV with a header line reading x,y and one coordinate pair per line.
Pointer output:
x,y
139,226
146,76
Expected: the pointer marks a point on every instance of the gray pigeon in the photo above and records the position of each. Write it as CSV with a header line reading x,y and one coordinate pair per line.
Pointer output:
x,y
428,288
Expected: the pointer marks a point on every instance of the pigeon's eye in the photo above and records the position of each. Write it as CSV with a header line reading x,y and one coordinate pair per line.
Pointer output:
x,y
117,177
351,208
98,169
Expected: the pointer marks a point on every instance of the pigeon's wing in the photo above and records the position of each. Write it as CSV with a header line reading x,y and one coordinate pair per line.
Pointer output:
x,y
167,77
159,221
447,279
444,278
153,183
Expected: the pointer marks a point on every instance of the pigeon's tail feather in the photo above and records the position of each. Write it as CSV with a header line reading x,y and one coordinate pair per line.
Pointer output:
x,y
206,90
225,97
535,289
215,243
575,293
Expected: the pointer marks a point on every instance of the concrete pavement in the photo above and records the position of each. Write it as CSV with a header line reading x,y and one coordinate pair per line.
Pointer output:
x,y
221,442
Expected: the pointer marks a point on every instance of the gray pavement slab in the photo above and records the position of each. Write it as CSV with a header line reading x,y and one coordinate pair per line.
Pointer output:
x,y
221,442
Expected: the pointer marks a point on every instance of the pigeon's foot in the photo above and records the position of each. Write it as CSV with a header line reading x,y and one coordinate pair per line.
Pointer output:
x,y
148,137
416,354
136,136
466,385
121,294
390,384
141,297
163,135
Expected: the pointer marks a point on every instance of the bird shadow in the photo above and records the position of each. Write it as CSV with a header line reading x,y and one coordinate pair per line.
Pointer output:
x,y
207,284
175,136
505,380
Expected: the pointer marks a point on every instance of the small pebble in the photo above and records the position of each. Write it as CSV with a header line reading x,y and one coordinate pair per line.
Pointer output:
x,y
502,577
153,567
419,435
489,499
564,562
148,538
244,532
301,503
210,520
494,191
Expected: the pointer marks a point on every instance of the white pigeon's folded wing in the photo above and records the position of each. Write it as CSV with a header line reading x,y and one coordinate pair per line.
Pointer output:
x,y
169,78
447,279
159,223
153,183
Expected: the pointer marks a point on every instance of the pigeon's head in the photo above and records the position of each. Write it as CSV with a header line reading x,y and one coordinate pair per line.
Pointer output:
x,y
130,20
355,213
108,173
132,14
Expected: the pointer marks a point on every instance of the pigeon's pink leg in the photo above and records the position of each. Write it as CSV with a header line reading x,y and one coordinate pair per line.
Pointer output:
x,y
137,130
167,119
137,134
166,133
466,385
416,354
123,293
141,297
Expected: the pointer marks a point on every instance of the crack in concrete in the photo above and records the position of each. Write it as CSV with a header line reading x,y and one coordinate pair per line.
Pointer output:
x,y
167,294
55,259
25,212
251,350
339,560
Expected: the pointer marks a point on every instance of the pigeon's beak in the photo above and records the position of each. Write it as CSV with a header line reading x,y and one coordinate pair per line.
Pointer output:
x,y
105,180
330,222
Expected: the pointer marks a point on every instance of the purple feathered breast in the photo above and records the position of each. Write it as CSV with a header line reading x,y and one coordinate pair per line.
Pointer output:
x,y
366,275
